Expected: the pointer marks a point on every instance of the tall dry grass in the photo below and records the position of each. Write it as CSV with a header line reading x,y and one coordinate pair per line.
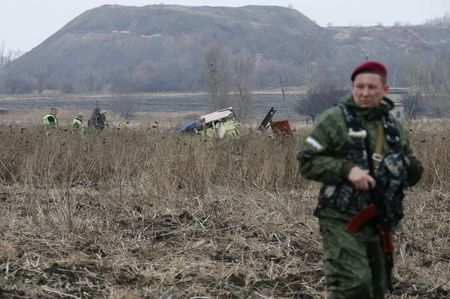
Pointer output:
x,y
165,162
431,142
143,213
161,163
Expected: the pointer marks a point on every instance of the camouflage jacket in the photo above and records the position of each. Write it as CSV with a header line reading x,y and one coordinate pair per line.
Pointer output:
x,y
322,157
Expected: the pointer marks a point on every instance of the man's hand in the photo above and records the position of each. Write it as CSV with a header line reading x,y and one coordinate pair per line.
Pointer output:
x,y
361,179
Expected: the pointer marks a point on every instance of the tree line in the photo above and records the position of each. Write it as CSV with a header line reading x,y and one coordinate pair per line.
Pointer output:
x,y
229,79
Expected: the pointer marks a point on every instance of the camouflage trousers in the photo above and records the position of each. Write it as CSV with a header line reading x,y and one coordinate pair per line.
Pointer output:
x,y
353,263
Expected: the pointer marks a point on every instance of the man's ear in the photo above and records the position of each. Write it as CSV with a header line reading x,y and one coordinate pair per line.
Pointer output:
x,y
386,89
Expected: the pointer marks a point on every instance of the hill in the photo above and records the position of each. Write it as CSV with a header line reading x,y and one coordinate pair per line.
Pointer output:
x,y
162,48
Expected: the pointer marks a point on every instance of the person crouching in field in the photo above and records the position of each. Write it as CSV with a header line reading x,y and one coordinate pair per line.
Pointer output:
x,y
50,121
77,124
363,158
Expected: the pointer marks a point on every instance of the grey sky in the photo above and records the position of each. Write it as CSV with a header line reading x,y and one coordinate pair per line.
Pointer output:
x,y
24,24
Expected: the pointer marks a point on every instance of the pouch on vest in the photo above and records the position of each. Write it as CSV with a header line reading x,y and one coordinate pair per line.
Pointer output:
x,y
391,182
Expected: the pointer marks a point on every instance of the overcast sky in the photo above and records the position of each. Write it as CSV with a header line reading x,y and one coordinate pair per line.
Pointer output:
x,y
24,24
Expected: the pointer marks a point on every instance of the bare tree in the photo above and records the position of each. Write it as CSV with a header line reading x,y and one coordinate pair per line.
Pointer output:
x,y
307,63
413,104
217,77
6,56
440,21
440,88
416,71
125,106
93,80
2,55
244,65
317,100
428,77
321,90
42,78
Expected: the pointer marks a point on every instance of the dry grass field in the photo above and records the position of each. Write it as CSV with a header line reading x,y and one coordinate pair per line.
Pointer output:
x,y
143,213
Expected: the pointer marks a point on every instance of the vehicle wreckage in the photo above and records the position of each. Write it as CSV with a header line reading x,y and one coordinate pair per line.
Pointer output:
x,y
280,127
97,122
218,124
222,123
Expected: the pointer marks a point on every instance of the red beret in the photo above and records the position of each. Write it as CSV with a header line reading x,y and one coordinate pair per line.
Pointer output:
x,y
370,67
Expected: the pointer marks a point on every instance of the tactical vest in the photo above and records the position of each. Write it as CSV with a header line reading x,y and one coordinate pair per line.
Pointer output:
x,y
391,172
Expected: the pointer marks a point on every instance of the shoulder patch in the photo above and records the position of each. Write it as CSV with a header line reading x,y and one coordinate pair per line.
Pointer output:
x,y
314,143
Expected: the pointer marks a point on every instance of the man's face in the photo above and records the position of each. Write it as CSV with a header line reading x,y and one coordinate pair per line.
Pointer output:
x,y
368,90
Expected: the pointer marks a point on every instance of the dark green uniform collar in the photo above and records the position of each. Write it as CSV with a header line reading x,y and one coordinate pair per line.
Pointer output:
x,y
369,113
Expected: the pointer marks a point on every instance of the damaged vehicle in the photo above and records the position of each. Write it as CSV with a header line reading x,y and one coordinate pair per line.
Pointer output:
x,y
97,122
218,124
280,127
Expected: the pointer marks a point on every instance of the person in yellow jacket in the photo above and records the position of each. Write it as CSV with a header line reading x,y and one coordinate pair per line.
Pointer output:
x,y
77,124
50,121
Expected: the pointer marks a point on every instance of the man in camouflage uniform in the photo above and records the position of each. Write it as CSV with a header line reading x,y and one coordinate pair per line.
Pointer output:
x,y
353,263
78,125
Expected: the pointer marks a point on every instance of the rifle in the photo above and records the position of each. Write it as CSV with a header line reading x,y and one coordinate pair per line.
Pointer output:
x,y
386,238
379,209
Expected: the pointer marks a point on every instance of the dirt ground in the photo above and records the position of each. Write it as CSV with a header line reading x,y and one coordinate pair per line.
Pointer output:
x,y
245,243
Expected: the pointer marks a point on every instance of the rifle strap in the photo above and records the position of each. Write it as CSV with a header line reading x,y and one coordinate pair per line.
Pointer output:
x,y
377,155
379,139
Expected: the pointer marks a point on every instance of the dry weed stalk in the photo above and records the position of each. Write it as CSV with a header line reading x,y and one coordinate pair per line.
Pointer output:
x,y
139,213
